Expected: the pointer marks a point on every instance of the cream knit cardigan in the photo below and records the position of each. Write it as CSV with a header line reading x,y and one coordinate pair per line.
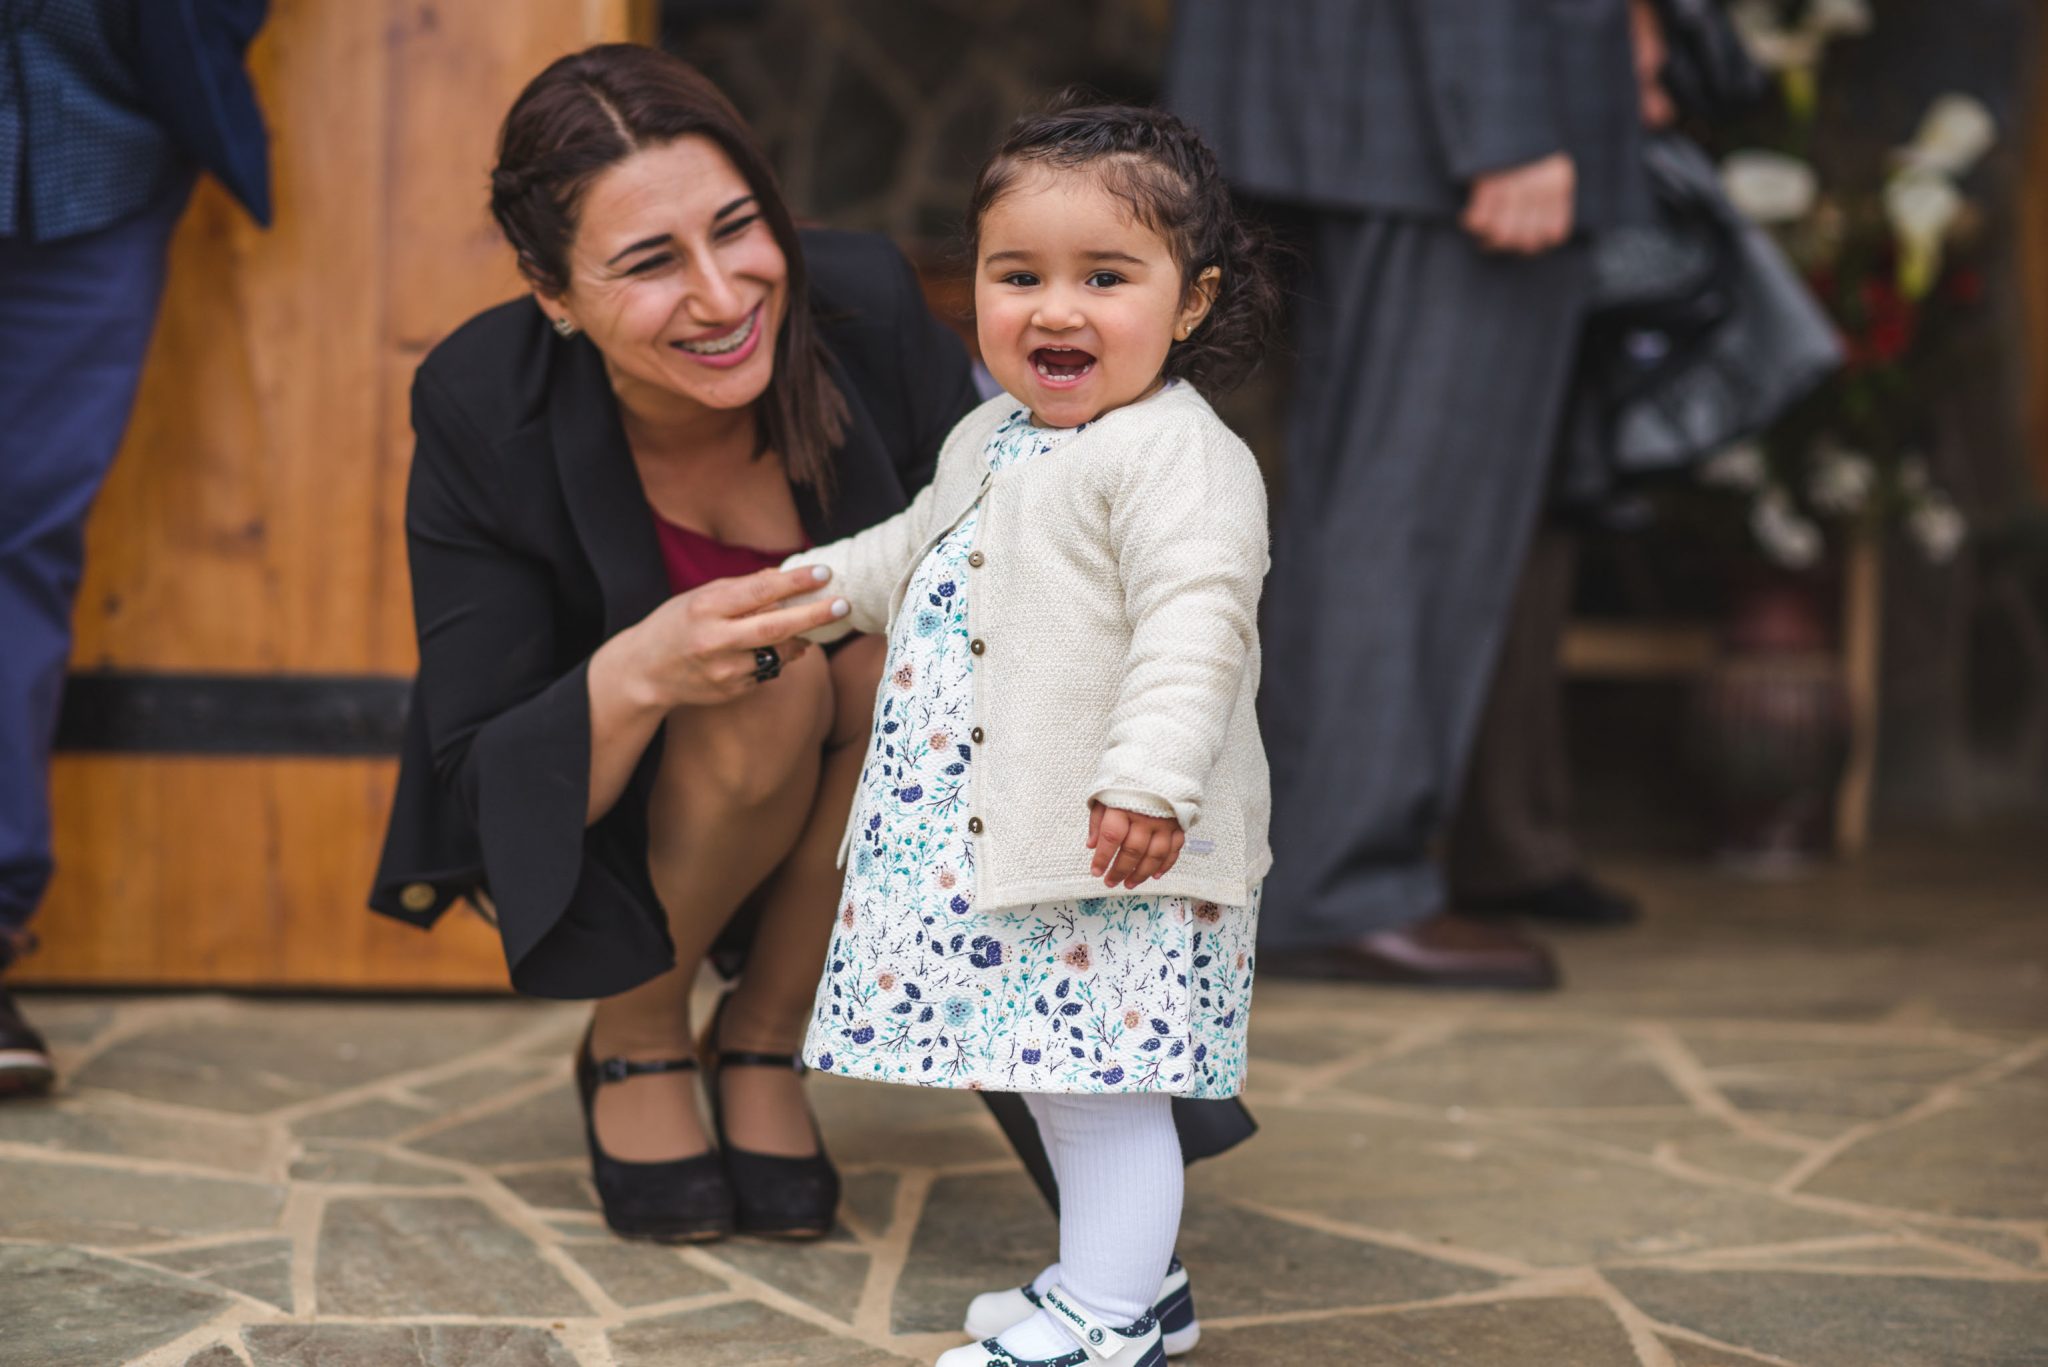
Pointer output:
x,y
1113,602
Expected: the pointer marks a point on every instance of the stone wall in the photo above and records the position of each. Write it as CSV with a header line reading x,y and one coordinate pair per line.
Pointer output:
x,y
878,112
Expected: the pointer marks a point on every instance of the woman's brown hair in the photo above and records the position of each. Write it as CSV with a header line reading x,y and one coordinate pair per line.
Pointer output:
x,y
591,110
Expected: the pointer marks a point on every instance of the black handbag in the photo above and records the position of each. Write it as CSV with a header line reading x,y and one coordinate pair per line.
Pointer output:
x,y
1699,334
1708,73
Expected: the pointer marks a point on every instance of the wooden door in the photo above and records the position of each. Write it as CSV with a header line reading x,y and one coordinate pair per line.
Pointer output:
x,y
244,632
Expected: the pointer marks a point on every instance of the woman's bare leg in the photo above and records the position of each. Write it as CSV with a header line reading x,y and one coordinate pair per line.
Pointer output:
x,y
769,1010
736,785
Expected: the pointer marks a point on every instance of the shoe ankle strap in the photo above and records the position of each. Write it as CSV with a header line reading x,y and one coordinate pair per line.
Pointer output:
x,y
1102,1340
619,1069
755,1058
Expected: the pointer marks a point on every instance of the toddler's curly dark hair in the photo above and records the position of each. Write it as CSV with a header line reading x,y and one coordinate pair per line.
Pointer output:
x,y
1162,169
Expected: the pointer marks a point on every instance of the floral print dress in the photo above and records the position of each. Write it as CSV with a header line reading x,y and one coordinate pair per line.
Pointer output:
x,y
1110,994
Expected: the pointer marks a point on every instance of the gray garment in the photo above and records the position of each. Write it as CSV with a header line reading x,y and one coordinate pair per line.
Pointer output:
x,y
1513,829
1396,105
1430,380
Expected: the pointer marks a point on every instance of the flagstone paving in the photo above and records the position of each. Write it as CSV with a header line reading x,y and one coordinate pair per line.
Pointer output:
x,y
1802,1124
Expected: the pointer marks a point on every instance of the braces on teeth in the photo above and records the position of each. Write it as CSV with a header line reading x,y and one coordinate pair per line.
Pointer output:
x,y
733,341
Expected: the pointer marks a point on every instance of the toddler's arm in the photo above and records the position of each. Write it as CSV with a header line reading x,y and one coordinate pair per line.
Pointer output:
x,y
1188,528
866,567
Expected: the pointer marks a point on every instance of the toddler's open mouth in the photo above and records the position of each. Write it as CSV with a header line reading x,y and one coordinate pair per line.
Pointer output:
x,y
1062,365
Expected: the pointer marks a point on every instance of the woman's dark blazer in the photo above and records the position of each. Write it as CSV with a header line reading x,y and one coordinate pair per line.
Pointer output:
x,y
532,544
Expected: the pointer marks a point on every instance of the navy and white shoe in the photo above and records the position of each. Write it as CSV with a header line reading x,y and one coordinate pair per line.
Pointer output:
x,y
1133,1345
990,1313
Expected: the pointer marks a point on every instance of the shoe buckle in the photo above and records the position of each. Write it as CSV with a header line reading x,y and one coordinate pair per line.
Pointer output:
x,y
1102,1341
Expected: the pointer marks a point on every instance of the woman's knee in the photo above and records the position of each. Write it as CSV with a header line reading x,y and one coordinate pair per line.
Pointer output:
x,y
749,753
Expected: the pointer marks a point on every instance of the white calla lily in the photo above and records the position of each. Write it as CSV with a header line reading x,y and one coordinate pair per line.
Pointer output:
x,y
1953,136
1769,187
1786,537
1740,466
1842,479
1922,207
1838,18
1938,527
1771,43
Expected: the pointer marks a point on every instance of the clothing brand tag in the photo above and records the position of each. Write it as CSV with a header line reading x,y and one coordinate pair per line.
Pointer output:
x,y
1091,1333
1201,846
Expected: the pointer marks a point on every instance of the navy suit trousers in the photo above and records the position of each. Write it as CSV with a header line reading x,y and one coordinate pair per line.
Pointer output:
x,y
75,320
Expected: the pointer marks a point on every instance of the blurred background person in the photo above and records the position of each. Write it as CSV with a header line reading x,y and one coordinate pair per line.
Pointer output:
x,y
108,108
1447,160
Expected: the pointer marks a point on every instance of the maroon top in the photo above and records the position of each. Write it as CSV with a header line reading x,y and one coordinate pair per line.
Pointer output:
x,y
694,559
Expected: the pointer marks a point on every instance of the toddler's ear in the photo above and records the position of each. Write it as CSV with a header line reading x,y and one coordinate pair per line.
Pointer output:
x,y
1201,298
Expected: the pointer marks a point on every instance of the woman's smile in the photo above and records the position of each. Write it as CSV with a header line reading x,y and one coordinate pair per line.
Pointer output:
x,y
728,348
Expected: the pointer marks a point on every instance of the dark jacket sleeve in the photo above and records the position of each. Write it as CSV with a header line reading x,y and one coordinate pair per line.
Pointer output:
x,y
507,727
937,379
1488,75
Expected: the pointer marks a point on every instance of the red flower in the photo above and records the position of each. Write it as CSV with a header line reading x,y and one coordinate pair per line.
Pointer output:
x,y
1077,958
1888,321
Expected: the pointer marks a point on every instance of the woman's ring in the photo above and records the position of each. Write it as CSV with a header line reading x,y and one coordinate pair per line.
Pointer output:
x,y
767,664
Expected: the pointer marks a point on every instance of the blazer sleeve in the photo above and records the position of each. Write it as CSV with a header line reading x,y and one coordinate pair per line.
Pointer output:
x,y
508,730
937,378
1187,525
1486,74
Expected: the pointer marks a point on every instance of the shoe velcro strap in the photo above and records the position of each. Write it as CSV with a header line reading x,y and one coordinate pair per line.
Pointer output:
x,y
1102,1340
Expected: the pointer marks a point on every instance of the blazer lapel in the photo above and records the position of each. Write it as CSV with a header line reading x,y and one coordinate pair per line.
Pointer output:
x,y
869,489
602,489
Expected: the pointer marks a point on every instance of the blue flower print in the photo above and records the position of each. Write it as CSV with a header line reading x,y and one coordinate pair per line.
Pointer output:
x,y
928,622
959,1011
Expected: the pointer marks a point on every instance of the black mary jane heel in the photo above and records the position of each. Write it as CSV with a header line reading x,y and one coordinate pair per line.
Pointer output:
x,y
773,1195
677,1201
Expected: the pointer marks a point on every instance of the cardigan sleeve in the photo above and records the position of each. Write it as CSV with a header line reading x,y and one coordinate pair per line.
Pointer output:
x,y
1187,525
867,566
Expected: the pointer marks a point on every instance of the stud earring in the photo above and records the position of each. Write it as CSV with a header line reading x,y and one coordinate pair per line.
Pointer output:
x,y
564,328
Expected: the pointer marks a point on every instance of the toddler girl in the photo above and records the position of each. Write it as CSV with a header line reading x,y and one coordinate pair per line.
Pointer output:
x,y
1057,841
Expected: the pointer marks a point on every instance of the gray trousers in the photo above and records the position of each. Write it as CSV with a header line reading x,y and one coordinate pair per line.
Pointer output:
x,y
1513,829
1430,381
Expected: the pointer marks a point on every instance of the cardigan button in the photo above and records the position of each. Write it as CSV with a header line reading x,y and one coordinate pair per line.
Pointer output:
x,y
974,824
418,897
978,646
976,559
975,735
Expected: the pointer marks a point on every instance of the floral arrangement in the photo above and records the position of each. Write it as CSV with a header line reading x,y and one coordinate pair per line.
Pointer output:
x,y
1884,249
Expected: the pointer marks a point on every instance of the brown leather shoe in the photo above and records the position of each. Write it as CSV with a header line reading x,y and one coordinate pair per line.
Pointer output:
x,y
1444,950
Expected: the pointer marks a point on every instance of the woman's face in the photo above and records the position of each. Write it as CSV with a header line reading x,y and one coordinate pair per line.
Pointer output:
x,y
678,279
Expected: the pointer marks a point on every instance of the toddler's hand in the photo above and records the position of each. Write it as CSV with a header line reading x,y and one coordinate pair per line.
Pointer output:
x,y
1131,846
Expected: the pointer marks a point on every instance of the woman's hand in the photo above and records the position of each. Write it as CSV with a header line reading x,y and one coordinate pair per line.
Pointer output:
x,y
698,648
1131,846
